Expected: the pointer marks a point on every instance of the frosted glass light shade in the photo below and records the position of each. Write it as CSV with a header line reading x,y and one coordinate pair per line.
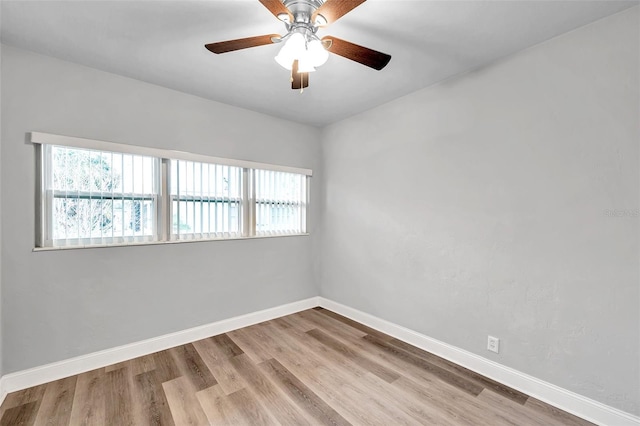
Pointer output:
x,y
291,50
309,55
318,53
285,61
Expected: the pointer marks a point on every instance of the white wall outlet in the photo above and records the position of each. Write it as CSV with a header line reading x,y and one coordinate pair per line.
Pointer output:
x,y
493,344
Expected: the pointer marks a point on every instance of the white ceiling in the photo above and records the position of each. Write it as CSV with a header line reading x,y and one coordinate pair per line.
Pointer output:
x,y
162,42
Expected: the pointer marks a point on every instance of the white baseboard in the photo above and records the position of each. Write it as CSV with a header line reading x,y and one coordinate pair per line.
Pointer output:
x,y
571,402
58,370
561,398
3,391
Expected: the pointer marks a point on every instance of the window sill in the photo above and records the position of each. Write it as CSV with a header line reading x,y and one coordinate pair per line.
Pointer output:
x,y
155,243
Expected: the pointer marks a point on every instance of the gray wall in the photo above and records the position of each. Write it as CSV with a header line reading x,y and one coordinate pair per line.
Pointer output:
x,y
478,206
60,304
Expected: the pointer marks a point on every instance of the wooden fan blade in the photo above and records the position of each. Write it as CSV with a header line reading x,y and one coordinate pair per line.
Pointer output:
x,y
364,55
277,8
299,80
240,43
332,10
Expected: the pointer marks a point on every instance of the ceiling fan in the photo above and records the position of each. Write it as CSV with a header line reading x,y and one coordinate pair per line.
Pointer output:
x,y
302,49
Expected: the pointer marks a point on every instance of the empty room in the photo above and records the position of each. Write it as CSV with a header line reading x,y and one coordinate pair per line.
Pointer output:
x,y
319,212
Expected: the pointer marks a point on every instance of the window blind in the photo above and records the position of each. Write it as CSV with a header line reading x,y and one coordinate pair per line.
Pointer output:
x,y
98,197
91,195
281,200
205,200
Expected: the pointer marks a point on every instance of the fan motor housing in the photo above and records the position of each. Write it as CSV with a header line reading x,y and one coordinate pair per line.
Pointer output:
x,y
302,10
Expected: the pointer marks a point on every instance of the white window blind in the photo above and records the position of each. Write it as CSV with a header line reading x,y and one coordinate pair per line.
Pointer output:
x,y
205,200
98,197
281,201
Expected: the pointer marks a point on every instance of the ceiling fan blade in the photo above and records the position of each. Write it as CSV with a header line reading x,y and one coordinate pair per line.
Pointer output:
x,y
364,55
240,43
277,8
299,80
332,10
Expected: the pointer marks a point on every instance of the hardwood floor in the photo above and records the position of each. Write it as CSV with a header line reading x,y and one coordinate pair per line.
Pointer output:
x,y
313,367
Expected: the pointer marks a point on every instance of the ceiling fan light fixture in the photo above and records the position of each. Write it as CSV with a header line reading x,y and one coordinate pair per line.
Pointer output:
x,y
302,50
310,54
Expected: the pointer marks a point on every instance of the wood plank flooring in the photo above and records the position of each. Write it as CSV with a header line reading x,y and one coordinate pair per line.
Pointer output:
x,y
310,368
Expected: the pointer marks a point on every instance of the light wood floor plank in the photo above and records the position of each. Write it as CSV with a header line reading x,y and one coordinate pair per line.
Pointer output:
x,y
499,388
190,365
89,402
354,324
183,403
218,408
57,401
22,397
154,404
136,366
452,396
165,366
441,373
251,410
255,350
512,411
554,413
343,349
407,403
120,405
336,378
313,405
280,406
314,367
314,351
456,407
24,414
218,363
380,399
227,347
298,321
325,322
447,396
18,399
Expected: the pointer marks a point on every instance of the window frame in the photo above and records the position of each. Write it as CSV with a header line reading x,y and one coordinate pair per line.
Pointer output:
x,y
164,200
47,196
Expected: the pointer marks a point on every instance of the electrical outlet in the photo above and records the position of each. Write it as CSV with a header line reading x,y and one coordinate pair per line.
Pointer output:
x,y
493,344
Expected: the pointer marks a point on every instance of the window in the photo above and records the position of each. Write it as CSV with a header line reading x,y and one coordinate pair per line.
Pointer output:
x,y
101,193
96,197
280,202
205,200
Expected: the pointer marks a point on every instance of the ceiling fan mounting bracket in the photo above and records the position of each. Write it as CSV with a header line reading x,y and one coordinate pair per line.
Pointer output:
x,y
303,12
301,9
